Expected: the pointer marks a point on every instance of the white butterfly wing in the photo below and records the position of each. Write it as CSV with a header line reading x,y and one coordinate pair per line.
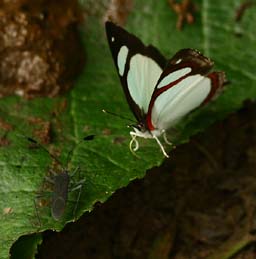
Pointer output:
x,y
170,106
142,77
139,67
183,86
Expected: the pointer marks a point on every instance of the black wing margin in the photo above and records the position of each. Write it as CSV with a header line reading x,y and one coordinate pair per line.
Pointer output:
x,y
199,64
123,38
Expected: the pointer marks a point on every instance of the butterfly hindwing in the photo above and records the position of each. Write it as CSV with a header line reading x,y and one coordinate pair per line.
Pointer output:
x,y
184,85
138,66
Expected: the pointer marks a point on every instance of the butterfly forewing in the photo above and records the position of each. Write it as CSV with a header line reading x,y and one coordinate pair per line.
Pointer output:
x,y
139,67
183,86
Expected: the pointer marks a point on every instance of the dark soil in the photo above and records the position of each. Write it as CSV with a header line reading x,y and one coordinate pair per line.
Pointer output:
x,y
199,203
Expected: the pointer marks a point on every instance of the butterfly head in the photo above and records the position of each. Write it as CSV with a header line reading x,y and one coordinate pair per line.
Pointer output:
x,y
140,130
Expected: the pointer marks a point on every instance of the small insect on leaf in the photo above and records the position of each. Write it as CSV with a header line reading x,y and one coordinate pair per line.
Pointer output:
x,y
61,181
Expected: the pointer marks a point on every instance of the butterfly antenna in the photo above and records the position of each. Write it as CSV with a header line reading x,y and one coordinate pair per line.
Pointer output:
x,y
87,138
45,149
119,116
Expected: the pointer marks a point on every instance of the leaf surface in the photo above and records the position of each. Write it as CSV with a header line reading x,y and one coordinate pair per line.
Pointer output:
x,y
106,163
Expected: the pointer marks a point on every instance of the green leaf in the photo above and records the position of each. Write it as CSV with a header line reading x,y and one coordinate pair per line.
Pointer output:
x,y
106,163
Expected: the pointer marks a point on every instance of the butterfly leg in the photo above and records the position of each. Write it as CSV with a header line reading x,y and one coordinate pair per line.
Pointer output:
x,y
161,146
166,139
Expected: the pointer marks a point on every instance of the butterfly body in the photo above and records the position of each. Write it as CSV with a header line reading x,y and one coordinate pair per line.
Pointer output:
x,y
160,92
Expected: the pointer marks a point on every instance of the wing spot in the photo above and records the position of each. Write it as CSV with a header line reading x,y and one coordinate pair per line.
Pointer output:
x,y
112,39
121,59
175,75
178,61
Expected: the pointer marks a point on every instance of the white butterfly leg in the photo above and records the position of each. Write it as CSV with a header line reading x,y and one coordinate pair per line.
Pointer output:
x,y
166,139
160,145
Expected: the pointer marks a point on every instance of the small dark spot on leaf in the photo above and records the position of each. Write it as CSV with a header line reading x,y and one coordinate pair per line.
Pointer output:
x,y
4,141
43,129
5,125
106,132
119,140
90,137
86,128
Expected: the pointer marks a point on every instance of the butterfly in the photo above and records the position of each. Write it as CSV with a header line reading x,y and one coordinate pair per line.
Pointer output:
x,y
160,92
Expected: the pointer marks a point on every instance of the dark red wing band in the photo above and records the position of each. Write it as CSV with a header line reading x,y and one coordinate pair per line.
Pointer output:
x,y
199,64
156,93
218,81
